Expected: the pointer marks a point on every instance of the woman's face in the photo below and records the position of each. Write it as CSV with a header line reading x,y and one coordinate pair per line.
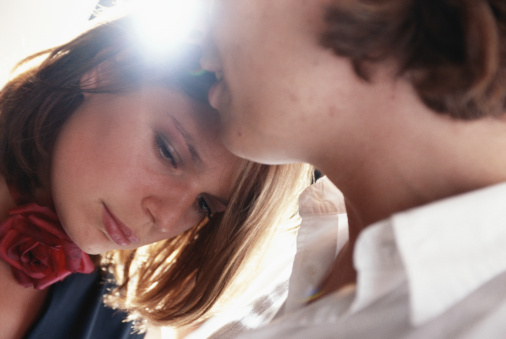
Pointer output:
x,y
132,169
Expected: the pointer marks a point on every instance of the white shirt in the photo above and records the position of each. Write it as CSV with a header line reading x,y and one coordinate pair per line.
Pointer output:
x,y
437,271
322,209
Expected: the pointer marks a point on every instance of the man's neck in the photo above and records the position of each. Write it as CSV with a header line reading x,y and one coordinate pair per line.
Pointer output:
x,y
421,164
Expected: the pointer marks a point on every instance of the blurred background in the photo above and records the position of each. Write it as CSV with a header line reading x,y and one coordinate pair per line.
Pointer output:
x,y
29,26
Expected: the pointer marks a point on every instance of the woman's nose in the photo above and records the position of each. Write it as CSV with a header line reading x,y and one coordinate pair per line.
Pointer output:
x,y
169,212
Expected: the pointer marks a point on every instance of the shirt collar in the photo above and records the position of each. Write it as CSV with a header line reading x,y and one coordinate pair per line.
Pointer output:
x,y
445,250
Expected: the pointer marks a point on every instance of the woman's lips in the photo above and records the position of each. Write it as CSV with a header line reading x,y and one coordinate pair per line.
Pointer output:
x,y
119,232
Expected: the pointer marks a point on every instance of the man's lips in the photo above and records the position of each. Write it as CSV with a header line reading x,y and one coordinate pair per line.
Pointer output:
x,y
119,232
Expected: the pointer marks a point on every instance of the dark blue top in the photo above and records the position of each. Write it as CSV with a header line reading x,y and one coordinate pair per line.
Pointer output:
x,y
74,310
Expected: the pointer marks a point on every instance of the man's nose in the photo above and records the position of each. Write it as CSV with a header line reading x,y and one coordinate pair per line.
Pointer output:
x,y
210,58
198,34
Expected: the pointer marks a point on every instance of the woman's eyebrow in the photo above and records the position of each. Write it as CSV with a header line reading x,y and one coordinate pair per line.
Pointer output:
x,y
197,160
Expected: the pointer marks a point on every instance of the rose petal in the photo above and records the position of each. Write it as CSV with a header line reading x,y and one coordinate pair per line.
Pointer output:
x,y
33,209
48,226
33,242
49,280
22,278
87,266
33,231
9,248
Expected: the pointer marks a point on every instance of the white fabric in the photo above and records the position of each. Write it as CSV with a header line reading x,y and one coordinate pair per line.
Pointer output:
x,y
322,234
266,292
438,271
322,208
259,303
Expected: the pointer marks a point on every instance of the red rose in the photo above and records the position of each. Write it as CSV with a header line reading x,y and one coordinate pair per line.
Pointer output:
x,y
40,253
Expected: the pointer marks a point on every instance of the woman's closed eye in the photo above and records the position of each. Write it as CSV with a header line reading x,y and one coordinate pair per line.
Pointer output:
x,y
165,150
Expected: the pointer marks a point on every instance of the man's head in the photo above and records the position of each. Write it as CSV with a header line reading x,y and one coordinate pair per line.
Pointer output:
x,y
286,63
273,72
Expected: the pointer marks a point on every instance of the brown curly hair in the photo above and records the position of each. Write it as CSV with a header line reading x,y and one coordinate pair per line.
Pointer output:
x,y
452,51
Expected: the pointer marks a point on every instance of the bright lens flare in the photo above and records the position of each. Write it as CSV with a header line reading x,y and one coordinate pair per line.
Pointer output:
x,y
162,24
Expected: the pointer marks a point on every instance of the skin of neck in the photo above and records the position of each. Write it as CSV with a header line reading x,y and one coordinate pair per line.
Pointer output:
x,y
394,153
397,154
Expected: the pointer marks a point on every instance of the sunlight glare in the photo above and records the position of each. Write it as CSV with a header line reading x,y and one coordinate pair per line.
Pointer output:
x,y
162,24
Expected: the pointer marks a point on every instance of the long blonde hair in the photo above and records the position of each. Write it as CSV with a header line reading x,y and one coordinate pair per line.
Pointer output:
x,y
176,281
